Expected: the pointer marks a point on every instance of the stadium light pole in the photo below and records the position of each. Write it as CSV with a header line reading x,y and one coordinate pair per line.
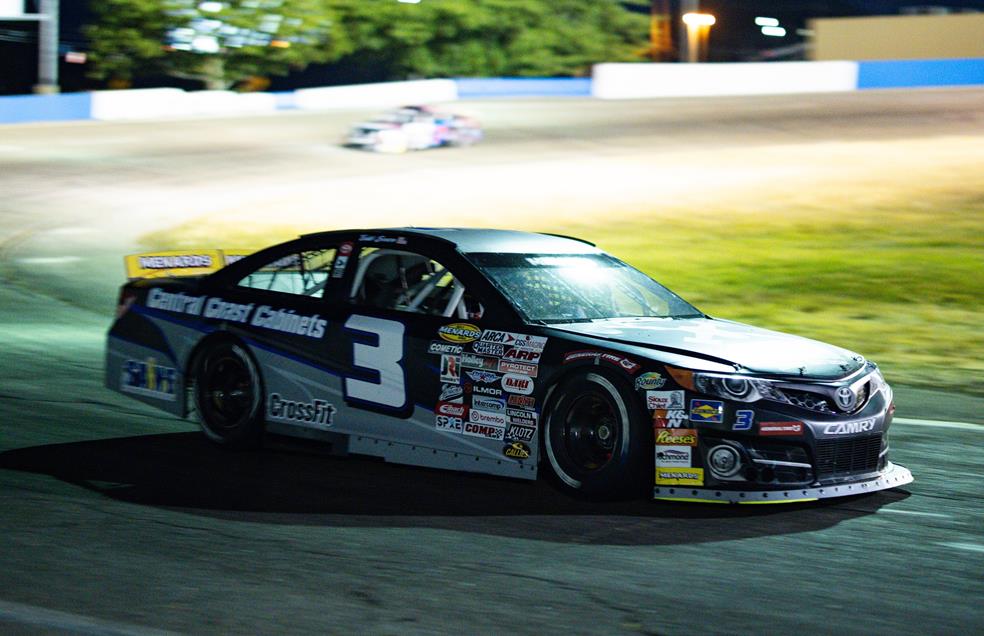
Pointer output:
x,y
698,30
48,48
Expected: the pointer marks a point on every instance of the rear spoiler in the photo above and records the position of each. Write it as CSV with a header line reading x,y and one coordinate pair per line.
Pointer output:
x,y
180,262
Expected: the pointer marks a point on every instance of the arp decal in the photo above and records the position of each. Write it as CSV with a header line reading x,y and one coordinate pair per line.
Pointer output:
x,y
780,428
149,379
743,420
679,476
316,412
516,450
459,332
711,411
523,355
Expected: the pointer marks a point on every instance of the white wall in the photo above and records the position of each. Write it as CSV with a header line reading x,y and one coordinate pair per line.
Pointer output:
x,y
626,81
384,95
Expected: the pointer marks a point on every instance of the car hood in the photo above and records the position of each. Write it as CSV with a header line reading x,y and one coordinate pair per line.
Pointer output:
x,y
753,349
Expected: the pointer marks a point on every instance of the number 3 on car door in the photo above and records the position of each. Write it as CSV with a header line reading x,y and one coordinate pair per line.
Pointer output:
x,y
377,355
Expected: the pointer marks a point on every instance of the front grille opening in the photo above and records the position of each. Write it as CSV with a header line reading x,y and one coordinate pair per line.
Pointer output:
x,y
844,457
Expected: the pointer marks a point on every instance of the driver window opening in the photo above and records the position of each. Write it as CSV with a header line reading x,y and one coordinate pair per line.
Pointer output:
x,y
404,281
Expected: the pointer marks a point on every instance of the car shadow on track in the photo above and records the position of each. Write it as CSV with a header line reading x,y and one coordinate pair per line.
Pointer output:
x,y
300,483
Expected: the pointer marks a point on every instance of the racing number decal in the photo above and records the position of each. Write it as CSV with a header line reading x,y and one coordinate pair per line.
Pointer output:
x,y
380,357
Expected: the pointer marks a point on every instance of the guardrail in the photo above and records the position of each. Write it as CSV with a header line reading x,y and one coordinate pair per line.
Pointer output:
x,y
609,81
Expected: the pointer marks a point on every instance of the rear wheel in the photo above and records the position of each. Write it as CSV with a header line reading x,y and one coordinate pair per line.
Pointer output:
x,y
596,437
229,396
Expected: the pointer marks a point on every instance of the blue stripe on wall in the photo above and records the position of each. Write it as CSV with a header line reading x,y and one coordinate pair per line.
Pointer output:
x,y
914,73
476,87
25,108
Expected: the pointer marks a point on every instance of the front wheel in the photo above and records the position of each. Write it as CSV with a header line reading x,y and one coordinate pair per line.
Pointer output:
x,y
229,396
596,437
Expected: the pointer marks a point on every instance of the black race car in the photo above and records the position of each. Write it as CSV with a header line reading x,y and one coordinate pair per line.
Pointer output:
x,y
498,352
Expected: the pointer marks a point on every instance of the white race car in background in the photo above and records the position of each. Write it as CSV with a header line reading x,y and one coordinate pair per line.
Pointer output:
x,y
414,128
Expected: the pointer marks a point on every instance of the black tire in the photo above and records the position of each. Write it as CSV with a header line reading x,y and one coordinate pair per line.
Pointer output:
x,y
596,437
228,395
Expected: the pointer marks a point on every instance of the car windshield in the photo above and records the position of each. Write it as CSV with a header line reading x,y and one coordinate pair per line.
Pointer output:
x,y
579,287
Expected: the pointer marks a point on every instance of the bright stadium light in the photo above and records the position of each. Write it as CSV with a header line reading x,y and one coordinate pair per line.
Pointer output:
x,y
766,22
776,32
698,19
698,30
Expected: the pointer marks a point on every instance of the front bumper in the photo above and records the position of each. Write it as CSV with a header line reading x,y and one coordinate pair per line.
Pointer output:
x,y
892,477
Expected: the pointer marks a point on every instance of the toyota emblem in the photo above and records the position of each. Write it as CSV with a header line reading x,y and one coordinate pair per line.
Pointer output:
x,y
845,398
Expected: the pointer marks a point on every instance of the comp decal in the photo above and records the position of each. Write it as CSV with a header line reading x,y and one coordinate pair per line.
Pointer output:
x,y
487,431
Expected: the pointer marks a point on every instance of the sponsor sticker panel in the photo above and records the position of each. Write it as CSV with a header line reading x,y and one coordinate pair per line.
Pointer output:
x,y
649,381
520,433
676,437
673,456
521,368
780,428
459,332
711,411
516,450
448,423
496,405
679,476
487,417
670,418
664,400
487,431
149,379
515,383
450,369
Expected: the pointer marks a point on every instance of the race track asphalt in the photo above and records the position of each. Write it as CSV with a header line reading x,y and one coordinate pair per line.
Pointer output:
x,y
117,519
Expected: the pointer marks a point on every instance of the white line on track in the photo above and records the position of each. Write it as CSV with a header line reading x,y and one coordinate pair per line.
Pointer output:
x,y
74,623
938,423
914,513
957,545
48,260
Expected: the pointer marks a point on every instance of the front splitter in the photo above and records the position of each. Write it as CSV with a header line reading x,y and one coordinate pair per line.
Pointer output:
x,y
893,477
